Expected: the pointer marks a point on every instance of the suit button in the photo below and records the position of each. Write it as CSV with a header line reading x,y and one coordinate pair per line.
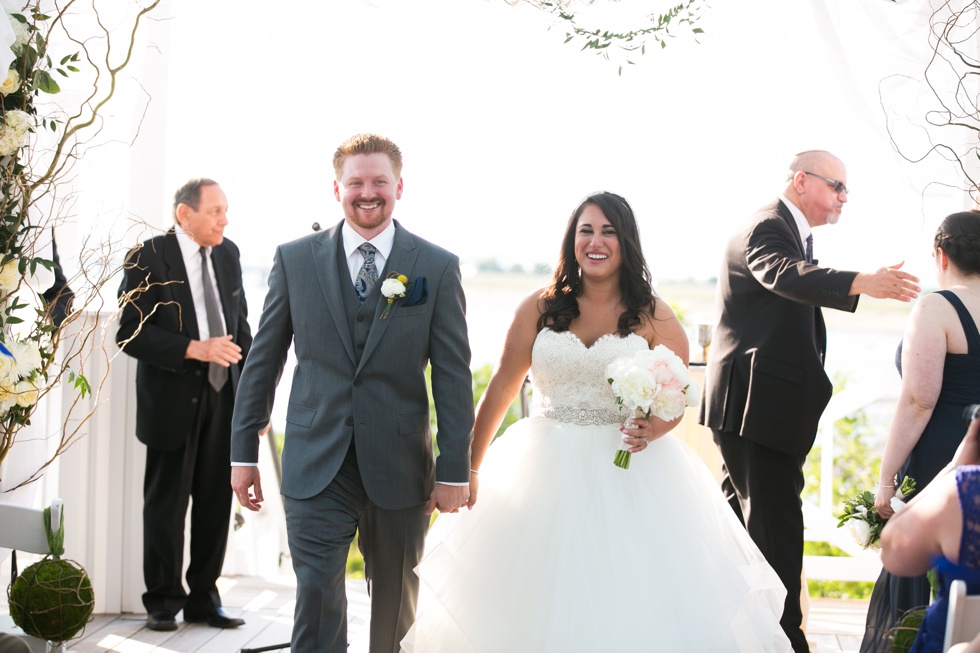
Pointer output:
x,y
349,421
197,373
360,318
360,345
194,400
357,383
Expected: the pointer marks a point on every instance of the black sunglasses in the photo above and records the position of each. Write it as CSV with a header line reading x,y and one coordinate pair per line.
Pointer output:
x,y
838,186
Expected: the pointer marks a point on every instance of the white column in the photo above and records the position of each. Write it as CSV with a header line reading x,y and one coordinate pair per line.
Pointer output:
x,y
101,476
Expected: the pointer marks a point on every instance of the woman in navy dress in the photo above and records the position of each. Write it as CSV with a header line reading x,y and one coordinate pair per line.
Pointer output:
x,y
939,360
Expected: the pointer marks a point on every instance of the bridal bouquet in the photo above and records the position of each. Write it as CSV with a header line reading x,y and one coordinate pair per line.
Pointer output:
x,y
862,518
651,382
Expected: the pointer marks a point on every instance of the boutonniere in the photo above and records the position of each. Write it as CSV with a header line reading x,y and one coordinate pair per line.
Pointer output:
x,y
392,288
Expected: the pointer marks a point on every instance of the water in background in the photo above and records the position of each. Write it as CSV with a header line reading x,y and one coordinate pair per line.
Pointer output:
x,y
860,346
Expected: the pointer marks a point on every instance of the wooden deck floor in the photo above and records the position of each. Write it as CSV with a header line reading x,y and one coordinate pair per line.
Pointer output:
x,y
267,607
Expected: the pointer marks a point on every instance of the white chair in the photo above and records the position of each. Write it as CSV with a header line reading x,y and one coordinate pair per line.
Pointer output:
x,y
963,617
22,529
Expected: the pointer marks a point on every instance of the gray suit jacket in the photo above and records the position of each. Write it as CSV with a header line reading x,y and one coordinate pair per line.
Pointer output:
x,y
379,399
765,379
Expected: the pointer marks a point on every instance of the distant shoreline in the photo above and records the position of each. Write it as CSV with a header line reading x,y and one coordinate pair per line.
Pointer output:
x,y
695,300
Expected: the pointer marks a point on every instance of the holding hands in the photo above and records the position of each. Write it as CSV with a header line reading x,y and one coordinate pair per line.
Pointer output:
x,y
448,498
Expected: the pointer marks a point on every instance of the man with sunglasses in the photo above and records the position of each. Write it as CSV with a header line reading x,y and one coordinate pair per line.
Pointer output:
x,y
765,385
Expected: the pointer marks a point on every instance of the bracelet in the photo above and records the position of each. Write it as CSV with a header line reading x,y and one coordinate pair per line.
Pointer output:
x,y
473,471
880,485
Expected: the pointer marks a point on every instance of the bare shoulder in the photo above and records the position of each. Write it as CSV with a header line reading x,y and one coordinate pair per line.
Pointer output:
x,y
531,307
933,311
663,328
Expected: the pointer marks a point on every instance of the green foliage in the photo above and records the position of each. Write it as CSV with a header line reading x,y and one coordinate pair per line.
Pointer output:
x,y
656,28
855,470
903,634
355,562
855,462
481,377
834,589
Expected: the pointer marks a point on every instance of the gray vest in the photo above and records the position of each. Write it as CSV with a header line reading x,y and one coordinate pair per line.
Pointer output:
x,y
360,317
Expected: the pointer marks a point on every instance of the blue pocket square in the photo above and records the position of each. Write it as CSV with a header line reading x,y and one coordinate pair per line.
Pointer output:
x,y
418,293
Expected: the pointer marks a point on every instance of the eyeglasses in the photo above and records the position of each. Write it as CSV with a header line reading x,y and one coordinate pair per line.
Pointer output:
x,y
838,186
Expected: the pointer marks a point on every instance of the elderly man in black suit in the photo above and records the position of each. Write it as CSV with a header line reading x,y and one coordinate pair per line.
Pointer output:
x,y
184,319
765,385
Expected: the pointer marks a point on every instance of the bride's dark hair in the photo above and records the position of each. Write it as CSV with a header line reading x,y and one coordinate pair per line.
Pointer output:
x,y
635,280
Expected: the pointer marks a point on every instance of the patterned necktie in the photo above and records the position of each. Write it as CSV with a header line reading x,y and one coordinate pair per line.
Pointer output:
x,y
367,276
809,248
217,375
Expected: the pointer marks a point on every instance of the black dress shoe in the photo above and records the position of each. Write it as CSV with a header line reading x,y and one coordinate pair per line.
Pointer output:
x,y
161,620
217,618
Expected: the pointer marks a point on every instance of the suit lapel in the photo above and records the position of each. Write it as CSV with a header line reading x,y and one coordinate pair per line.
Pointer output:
x,y
223,273
326,249
180,284
785,214
402,260
819,328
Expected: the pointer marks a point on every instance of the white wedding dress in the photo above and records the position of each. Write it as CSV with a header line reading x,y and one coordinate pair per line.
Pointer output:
x,y
565,552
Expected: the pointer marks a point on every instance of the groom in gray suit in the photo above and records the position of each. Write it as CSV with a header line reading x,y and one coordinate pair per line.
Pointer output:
x,y
358,452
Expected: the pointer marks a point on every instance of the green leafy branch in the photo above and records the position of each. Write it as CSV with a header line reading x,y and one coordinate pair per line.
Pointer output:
x,y
657,29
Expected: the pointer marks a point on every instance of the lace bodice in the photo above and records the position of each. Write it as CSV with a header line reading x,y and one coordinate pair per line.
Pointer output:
x,y
569,379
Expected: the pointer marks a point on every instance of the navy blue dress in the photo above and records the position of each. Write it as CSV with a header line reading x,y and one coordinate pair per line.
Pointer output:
x,y
933,628
894,595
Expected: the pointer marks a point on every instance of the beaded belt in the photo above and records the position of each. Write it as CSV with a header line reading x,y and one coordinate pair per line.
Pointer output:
x,y
584,416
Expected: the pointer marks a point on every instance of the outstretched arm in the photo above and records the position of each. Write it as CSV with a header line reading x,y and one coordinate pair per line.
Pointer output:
x,y
886,283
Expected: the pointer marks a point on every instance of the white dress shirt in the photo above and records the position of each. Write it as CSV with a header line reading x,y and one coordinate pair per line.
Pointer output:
x,y
191,252
383,243
801,222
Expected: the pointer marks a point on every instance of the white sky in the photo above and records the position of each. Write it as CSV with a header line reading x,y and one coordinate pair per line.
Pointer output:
x,y
504,129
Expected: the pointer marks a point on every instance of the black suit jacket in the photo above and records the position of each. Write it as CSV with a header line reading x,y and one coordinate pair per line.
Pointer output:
x,y
168,386
765,378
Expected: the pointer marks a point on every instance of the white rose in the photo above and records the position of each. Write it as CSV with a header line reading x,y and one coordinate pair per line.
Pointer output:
x,y
637,388
860,530
25,394
14,133
9,276
19,121
392,288
27,358
11,84
21,34
7,399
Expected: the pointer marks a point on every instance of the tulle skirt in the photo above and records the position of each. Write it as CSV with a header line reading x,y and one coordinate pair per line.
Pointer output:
x,y
566,552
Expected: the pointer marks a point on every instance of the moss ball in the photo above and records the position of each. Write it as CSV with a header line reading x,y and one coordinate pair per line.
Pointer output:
x,y
52,600
905,631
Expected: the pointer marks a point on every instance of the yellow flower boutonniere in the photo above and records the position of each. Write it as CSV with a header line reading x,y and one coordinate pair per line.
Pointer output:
x,y
392,288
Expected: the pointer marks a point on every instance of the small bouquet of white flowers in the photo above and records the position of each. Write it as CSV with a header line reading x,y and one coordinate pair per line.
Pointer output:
x,y
862,518
651,382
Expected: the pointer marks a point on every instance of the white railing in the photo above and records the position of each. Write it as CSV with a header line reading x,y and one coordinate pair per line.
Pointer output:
x,y
100,479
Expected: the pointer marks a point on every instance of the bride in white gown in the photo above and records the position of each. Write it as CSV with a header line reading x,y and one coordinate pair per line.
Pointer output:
x,y
566,552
